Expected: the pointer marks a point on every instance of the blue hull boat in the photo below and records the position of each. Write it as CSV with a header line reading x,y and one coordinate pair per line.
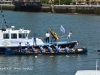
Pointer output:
x,y
47,52
61,44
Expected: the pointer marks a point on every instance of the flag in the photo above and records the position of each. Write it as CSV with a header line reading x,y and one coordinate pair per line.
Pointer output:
x,y
62,29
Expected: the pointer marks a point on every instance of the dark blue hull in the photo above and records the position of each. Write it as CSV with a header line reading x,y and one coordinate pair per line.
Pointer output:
x,y
13,52
63,45
2,50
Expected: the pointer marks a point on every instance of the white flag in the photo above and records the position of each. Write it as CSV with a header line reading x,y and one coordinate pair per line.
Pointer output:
x,y
62,29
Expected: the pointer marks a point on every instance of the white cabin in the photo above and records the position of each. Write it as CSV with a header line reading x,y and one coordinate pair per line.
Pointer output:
x,y
12,37
10,33
88,72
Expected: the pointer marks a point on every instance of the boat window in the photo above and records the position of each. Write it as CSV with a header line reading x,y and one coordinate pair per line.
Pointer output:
x,y
14,36
21,35
6,36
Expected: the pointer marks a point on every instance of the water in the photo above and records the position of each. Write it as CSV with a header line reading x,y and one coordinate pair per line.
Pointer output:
x,y
85,28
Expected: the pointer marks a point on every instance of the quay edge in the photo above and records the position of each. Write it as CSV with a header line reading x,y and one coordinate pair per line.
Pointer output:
x,y
7,7
82,9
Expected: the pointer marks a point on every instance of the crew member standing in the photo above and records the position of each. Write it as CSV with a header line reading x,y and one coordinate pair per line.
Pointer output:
x,y
47,36
34,39
69,35
20,47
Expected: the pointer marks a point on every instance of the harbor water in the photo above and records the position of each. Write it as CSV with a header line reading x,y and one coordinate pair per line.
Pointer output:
x,y
85,29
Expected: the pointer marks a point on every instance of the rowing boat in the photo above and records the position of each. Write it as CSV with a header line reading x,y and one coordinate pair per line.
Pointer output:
x,y
52,50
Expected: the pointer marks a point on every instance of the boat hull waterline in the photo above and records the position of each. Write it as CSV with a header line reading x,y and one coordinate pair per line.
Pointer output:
x,y
62,45
16,52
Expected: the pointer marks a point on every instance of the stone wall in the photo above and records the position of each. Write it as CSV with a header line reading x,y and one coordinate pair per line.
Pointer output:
x,y
83,9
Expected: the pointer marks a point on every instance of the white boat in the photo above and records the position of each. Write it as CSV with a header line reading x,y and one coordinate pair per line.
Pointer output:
x,y
11,37
89,72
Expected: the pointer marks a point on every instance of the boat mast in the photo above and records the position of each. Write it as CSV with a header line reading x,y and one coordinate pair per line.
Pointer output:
x,y
96,65
1,16
3,20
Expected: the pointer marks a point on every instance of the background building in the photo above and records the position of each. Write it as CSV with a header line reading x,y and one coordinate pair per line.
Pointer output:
x,y
84,2
51,1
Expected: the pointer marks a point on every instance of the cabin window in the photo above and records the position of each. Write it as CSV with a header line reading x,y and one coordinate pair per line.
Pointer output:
x,y
22,35
13,36
6,36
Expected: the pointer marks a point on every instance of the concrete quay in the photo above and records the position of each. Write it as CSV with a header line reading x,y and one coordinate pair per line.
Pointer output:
x,y
82,9
7,7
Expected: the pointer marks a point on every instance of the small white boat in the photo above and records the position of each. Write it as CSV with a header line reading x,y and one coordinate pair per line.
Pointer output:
x,y
88,72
